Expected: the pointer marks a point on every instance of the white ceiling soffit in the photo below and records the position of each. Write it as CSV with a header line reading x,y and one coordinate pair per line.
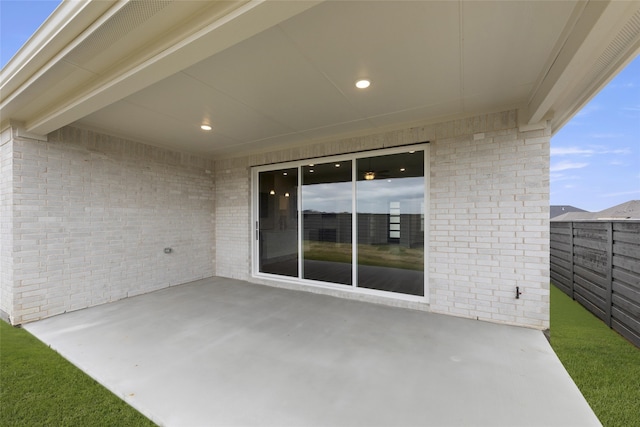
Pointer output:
x,y
294,82
274,73
120,50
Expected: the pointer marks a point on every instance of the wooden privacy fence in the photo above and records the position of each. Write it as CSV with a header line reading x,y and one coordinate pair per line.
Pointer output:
x,y
597,263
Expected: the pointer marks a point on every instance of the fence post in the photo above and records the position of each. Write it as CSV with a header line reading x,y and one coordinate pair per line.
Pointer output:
x,y
571,264
609,270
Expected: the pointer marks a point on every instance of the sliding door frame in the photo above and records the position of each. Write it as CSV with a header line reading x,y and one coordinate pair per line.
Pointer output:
x,y
353,288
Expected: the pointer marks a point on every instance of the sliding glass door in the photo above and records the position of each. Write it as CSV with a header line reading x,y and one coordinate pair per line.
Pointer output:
x,y
278,222
390,208
355,221
327,197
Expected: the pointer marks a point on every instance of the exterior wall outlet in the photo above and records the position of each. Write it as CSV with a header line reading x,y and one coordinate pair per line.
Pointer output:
x,y
168,250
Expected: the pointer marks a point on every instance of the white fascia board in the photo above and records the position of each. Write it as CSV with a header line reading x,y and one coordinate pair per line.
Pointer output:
x,y
138,73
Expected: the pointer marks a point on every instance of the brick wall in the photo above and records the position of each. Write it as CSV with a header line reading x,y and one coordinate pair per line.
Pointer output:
x,y
92,215
488,216
489,228
6,217
233,222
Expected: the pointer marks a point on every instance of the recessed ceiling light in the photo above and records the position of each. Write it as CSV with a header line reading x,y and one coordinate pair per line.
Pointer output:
x,y
337,165
310,170
363,84
285,173
205,127
402,169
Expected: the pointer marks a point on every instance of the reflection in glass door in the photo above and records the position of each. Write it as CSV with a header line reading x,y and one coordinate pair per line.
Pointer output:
x,y
326,222
278,222
359,222
390,222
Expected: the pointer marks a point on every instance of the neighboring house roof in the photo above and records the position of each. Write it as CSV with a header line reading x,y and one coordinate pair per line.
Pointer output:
x,y
266,74
575,216
627,210
557,210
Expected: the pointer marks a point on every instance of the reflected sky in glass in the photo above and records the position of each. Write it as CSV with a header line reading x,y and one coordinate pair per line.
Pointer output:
x,y
314,197
374,196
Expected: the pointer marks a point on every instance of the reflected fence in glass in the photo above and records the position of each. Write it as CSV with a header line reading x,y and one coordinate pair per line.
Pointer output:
x,y
390,222
327,196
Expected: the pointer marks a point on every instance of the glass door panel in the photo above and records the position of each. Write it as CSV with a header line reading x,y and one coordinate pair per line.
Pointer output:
x,y
390,223
327,195
278,222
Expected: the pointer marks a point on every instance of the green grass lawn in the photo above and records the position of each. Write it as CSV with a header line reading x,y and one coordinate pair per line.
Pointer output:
x,y
391,255
40,388
604,365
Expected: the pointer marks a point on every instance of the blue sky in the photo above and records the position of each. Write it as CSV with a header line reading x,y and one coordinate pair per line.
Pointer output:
x,y
595,158
19,19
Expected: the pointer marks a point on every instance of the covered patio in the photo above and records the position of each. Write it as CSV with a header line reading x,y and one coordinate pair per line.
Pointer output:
x,y
145,145
220,351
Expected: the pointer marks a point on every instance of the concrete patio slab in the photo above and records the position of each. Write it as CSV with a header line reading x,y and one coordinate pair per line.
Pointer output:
x,y
225,352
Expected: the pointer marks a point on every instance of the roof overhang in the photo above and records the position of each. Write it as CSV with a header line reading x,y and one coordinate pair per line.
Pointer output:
x,y
599,40
98,63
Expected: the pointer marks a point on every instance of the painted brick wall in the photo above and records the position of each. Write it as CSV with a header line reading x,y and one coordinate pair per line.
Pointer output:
x,y
490,226
233,225
6,216
489,216
92,215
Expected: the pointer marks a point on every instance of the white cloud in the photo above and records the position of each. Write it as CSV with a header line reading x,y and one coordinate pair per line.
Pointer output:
x,y
624,151
588,110
556,177
621,193
559,176
565,165
621,151
606,135
569,151
627,85
587,152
